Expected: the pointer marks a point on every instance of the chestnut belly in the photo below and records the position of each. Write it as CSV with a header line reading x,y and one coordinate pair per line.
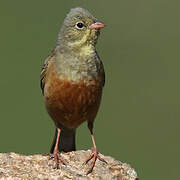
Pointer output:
x,y
69,104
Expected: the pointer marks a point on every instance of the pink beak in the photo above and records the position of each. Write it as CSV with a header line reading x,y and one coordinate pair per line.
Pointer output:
x,y
97,25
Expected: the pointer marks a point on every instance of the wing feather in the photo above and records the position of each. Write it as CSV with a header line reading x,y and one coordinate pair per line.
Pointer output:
x,y
44,70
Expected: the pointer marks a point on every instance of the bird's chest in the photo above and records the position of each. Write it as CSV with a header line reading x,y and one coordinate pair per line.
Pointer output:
x,y
70,103
77,67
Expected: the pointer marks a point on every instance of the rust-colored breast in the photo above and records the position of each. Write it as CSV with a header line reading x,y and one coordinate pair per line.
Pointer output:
x,y
71,103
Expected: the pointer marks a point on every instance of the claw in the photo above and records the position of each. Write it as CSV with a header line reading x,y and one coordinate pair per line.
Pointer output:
x,y
101,159
94,156
89,158
57,157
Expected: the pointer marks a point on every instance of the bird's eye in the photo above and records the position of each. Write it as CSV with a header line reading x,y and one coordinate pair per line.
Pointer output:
x,y
79,25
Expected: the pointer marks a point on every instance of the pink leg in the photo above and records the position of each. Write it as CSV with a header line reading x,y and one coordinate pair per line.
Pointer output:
x,y
56,153
94,155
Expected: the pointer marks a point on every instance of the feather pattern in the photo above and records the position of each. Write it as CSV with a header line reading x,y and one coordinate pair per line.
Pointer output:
x,y
45,68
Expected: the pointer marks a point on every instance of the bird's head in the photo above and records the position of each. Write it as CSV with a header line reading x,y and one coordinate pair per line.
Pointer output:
x,y
79,28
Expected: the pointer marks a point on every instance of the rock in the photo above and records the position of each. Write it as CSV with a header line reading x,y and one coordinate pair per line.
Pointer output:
x,y
15,166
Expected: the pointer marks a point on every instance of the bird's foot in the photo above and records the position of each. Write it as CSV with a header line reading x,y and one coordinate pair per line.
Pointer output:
x,y
94,156
57,157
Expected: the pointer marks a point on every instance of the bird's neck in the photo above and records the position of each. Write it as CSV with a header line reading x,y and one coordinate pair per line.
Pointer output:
x,y
76,64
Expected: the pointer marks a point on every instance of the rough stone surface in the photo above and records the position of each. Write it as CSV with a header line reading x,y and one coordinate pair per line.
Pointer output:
x,y
18,167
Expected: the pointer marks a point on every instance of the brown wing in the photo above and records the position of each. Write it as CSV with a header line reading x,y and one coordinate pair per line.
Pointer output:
x,y
44,70
103,73
102,68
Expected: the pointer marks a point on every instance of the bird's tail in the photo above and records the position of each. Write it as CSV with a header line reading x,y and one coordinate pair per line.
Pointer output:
x,y
66,141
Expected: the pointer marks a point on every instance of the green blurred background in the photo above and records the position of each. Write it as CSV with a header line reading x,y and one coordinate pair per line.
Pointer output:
x,y
138,121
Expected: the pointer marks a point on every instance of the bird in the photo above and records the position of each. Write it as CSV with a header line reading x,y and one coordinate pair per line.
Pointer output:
x,y
72,81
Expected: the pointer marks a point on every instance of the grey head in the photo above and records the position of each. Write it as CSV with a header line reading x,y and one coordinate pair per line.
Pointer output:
x,y
79,28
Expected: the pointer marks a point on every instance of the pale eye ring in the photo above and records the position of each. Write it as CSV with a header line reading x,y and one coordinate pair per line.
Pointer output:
x,y
79,25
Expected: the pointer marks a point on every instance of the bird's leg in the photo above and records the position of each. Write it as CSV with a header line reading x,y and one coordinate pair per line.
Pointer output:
x,y
94,152
56,153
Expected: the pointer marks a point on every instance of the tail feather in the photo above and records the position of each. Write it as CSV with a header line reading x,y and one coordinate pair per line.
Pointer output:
x,y
66,141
